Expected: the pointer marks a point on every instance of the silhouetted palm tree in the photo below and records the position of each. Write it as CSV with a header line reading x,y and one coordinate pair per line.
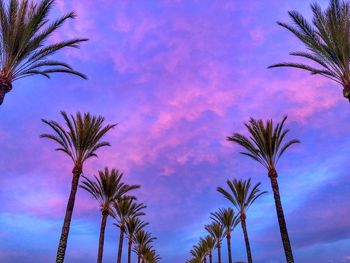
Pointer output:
x,y
106,189
142,239
198,252
133,225
242,197
150,255
209,244
265,146
80,142
327,41
24,29
217,231
125,208
229,220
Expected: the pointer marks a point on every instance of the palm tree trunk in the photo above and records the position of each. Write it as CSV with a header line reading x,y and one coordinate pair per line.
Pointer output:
x,y
210,258
2,95
281,220
5,87
102,237
121,238
219,253
139,257
346,91
205,259
246,239
228,238
61,251
129,249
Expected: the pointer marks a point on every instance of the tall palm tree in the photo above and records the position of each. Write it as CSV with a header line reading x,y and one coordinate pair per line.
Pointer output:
x,y
25,28
80,142
266,145
106,189
229,220
142,239
125,208
209,243
133,225
217,231
327,40
242,197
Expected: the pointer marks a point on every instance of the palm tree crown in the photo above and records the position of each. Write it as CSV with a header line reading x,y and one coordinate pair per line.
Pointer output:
x,y
125,208
107,188
327,39
142,240
198,252
150,255
265,143
226,217
240,194
83,137
24,30
209,244
134,224
216,230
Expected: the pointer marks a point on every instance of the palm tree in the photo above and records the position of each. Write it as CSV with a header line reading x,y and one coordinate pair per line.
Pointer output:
x,y
80,142
150,255
133,225
216,230
106,188
265,145
209,243
229,220
24,30
125,208
242,197
327,40
198,252
142,239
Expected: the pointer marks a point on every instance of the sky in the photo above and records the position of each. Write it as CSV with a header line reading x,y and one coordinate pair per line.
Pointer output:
x,y
178,76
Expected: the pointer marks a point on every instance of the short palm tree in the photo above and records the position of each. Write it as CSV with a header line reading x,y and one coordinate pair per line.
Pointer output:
x,y
242,196
106,189
198,252
229,220
217,232
133,225
142,239
24,30
124,209
80,141
209,243
266,145
151,256
327,40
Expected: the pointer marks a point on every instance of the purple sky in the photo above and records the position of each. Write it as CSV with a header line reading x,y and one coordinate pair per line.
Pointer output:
x,y
178,76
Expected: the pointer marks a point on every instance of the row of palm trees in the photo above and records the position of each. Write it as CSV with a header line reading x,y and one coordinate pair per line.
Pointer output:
x,y
265,144
80,139
25,28
223,222
114,200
